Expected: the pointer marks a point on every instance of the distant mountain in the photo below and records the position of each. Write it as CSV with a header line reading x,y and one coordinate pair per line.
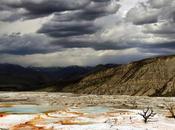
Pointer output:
x,y
18,78
64,73
14,77
152,77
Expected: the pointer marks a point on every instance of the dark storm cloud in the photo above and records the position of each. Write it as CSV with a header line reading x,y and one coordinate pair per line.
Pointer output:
x,y
108,45
97,45
41,8
157,46
157,18
25,44
89,26
96,9
71,18
46,6
168,45
158,51
78,22
66,29
89,13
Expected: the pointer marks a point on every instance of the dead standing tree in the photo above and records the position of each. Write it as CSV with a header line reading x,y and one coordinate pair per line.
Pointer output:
x,y
147,114
171,108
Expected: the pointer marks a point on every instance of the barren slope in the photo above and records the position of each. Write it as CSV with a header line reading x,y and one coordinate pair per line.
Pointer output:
x,y
152,77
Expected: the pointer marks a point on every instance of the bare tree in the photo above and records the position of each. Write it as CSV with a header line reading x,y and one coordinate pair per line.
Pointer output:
x,y
171,108
147,114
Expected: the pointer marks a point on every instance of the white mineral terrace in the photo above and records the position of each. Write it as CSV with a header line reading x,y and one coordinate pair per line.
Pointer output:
x,y
61,111
88,118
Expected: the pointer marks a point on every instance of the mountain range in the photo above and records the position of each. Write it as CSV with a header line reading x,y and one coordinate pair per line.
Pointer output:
x,y
149,77
18,78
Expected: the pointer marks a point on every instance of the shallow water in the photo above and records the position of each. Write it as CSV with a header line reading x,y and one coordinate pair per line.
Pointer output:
x,y
95,109
27,109
34,109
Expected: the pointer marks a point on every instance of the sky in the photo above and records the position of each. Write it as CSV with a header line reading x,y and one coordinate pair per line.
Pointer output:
x,y
85,32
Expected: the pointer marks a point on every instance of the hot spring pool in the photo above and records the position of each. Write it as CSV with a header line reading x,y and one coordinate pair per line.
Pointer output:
x,y
27,109
35,109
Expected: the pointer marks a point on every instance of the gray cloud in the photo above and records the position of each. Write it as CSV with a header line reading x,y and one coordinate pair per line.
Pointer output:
x,y
165,25
98,9
18,44
152,12
72,57
142,15
165,28
89,43
94,28
168,45
91,8
67,29
46,6
79,22
159,3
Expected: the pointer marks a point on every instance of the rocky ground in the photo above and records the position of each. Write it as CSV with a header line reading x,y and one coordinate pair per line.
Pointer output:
x,y
81,100
66,111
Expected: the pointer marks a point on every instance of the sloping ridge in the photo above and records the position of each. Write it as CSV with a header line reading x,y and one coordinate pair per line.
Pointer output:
x,y
151,77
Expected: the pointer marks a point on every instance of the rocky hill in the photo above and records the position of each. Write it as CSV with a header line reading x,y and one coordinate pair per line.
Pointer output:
x,y
152,77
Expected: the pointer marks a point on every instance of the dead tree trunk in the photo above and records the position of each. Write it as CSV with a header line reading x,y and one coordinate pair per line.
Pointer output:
x,y
147,113
171,109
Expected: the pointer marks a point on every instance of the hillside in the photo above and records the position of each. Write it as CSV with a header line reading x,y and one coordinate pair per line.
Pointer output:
x,y
152,77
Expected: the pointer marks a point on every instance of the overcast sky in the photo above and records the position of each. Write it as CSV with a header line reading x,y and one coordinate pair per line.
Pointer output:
x,y
85,32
